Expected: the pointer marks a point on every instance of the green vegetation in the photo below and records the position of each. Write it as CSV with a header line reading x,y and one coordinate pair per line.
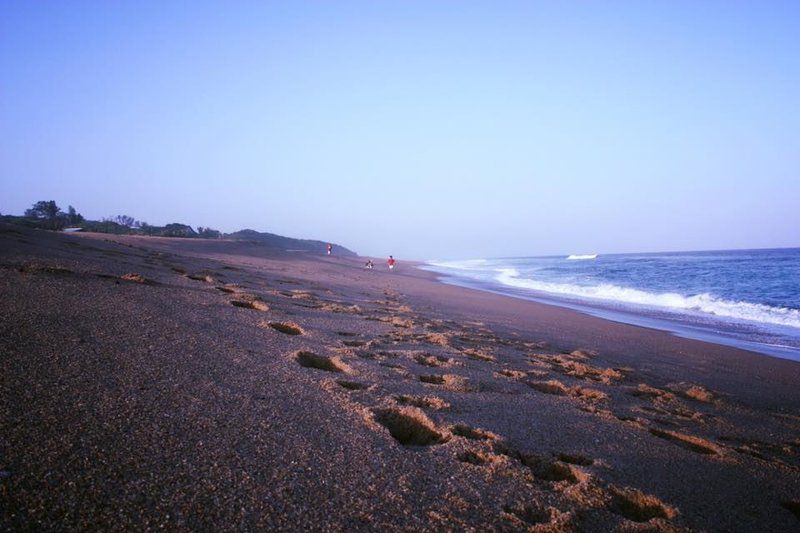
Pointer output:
x,y
47,215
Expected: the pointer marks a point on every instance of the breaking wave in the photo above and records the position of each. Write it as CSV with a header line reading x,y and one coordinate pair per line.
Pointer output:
x,y
703,303
467,264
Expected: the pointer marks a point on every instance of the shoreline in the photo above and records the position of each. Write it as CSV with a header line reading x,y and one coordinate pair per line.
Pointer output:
x,y
620,342
210,385
642,320
613,311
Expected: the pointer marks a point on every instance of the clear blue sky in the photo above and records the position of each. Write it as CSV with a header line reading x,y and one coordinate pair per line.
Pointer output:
x,y
433,129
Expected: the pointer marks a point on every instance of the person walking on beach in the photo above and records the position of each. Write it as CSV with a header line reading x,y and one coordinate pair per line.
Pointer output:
x,y
369,264
330,248
391,262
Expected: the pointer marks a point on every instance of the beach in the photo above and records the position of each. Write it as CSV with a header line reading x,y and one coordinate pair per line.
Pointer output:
x,y
195,384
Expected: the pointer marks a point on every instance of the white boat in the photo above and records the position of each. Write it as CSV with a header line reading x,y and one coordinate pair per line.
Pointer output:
x,y
585,256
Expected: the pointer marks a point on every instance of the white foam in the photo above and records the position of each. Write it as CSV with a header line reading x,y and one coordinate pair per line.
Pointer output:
x,y
703,303
466,264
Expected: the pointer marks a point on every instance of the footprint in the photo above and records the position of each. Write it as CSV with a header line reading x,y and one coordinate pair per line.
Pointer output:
x,y
583,354
531,515
690,442
289,328
433,360
226,290
557,388
476,457
429,402
634,421
401,322
479,355
410,426
692,392
552,386
303,294
585,393
646,391
463,430
201,277
588,372
334,307
354,344
544,469
638,506
436,338
352,385
537,374
258,305
575,459
137,278
321,362
512,374
548,470
450,382
766,451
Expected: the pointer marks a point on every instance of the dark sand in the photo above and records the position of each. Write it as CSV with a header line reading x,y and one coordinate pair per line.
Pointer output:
x,y
183,384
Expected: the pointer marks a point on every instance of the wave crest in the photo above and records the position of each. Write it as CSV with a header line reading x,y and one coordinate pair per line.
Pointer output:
x,y
704,303
466,264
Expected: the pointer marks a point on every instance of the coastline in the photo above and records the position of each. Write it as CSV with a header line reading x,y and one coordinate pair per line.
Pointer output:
x,y
624,343
767,338
210,384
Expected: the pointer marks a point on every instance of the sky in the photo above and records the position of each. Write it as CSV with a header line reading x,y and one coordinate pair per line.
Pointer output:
x,y
426,130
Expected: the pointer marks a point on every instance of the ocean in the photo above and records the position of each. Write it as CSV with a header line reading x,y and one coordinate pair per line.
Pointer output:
x,y
744,298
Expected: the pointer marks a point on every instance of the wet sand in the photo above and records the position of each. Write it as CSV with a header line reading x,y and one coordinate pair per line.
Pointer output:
x,y
185,384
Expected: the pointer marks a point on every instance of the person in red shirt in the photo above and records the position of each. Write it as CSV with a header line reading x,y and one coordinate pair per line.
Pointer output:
x,y
391,262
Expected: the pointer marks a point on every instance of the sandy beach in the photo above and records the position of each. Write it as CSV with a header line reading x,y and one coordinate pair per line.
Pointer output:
x,y
209,384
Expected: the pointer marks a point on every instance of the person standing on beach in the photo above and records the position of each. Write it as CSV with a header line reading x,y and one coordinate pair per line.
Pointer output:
x,y
330,248
391,262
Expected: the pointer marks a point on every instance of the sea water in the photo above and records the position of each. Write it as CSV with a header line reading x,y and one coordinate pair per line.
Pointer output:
x,y
744,298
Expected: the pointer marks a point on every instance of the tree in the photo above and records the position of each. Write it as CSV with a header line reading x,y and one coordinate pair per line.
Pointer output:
x,y
125,220
47,212
44,210
73,217
178,230
208,233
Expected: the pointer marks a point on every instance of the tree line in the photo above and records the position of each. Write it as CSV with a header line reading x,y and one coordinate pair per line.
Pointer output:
x,y
46,214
